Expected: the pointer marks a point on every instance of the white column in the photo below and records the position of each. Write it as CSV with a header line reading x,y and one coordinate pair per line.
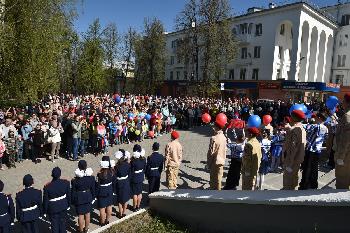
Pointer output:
x,y
315,63
306,75
324,59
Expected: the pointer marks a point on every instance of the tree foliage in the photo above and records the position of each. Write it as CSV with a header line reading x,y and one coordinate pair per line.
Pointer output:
x,y
150,56
206,27
32,47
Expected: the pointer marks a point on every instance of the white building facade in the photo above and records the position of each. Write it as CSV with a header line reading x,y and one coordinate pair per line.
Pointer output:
x,y
294,42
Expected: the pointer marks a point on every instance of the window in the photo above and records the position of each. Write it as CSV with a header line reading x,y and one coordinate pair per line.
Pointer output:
x,y
173,43
278,76
341,60
232,74
171,75
244,53
172,60
340,43
250,28
280,52
242,73
243,28
339,79
345,20
185,75
177,75
255,75
258,29
282,29
257,51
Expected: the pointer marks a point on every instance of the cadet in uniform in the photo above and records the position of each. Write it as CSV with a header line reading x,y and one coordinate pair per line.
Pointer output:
x,y
7,211
138,168
29,206
173,158
216,157
105,189
83,194
342,148
294,151
56,201
123,191
251,159
154,169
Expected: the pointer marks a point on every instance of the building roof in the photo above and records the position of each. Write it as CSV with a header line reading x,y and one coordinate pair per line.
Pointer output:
x,y
318,10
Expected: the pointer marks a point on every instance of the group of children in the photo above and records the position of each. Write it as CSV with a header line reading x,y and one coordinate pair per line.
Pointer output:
x,y
271,141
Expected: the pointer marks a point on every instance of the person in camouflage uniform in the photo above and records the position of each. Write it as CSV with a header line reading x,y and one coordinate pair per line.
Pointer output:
x,y
11,148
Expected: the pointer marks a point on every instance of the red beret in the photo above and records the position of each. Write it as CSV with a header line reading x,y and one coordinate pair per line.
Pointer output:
x,y
253,130
175,134
347,97
298,114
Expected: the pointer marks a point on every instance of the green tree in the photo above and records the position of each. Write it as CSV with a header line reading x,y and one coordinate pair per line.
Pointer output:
x,y
91,73
150,57
32,44
207,31
128,53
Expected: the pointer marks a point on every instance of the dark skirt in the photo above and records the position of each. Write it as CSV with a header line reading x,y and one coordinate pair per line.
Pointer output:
x,y
234,174
103,202
83,209
264,167
123,192
136,188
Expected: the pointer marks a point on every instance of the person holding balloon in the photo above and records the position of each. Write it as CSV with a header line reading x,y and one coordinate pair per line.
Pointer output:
x,y
267,119
342,148
216,155
294,150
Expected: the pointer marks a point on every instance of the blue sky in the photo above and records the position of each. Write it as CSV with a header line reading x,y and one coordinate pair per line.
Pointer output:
x,y
127,13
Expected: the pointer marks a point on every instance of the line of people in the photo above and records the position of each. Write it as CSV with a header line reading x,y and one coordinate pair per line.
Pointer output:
x,y
118,181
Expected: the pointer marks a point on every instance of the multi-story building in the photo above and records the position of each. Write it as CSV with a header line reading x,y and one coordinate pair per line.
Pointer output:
x,y
284,51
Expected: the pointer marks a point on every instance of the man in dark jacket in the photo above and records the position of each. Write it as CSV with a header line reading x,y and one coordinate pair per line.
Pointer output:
x,y
154,168
29,206
38,143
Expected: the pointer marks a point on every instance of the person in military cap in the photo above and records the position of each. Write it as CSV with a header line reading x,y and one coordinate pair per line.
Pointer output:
x,y
216,157
7,211
83,194
57,201
294,151
29,206
251,159
173,158
154,169
342,148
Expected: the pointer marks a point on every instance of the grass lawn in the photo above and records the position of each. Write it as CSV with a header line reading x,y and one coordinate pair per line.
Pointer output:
x,y
148,222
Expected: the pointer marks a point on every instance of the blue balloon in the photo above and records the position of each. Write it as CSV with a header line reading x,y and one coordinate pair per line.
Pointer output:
x,y
148,117
332,102
118,99
130,115
254,121
300,107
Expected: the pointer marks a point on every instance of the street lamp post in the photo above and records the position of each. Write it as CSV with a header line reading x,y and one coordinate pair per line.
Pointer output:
x,y
195,38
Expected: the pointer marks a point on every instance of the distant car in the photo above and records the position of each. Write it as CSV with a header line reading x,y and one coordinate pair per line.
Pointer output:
x,y
265,101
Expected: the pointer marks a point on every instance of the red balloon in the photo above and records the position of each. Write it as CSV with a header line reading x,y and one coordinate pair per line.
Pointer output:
x,y
151,134
206,118
267,119
221,120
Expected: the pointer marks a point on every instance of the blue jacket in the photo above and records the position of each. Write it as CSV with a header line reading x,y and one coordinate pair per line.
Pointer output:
x,y
28,204
155,163
7,210
56,196
123,173
26,130
83,190
138,168
105,185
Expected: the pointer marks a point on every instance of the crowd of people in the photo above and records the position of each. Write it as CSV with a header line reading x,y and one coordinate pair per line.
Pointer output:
x,y
67,126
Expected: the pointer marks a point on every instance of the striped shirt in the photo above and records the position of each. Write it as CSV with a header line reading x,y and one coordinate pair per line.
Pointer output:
x,y
265,149
235,150
316,135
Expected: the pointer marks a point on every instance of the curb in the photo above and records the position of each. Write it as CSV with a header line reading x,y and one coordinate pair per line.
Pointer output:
x,y
101,229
